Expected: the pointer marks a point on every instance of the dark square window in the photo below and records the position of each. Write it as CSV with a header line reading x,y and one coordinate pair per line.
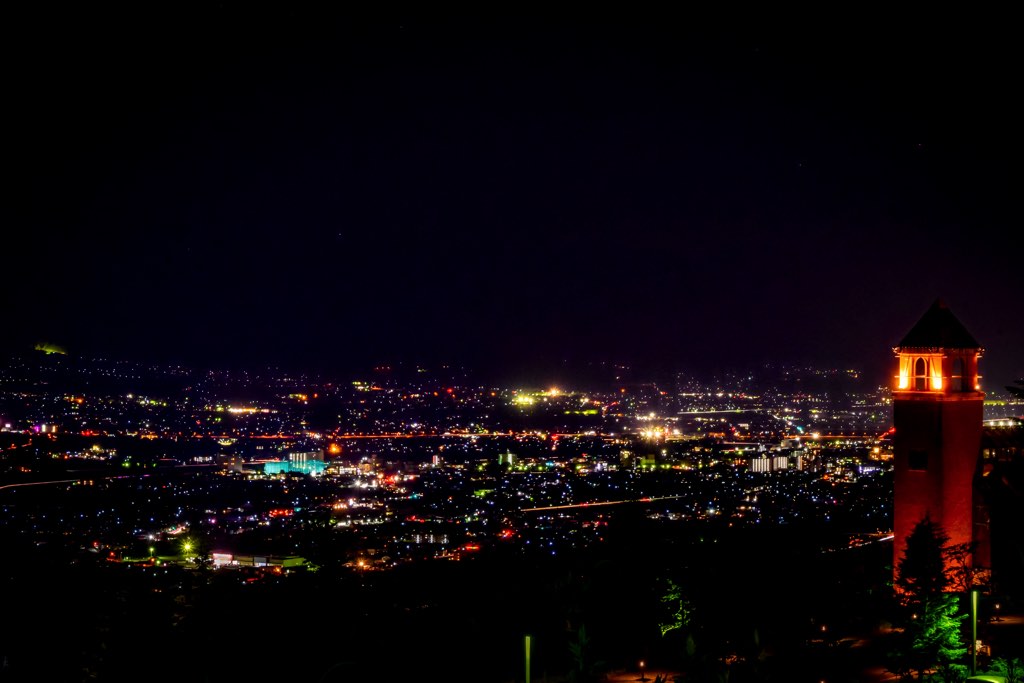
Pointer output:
x,y
918,460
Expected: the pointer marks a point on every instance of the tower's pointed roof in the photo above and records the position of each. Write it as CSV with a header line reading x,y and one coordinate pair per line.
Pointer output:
x,y
938,328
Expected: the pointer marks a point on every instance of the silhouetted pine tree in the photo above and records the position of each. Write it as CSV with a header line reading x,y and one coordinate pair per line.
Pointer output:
x,y
932,616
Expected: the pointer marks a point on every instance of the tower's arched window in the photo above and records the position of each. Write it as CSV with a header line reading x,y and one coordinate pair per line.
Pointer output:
x,y
920,375
957,375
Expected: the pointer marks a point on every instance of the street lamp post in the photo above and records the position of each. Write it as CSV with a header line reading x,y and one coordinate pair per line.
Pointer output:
x,y
974,631
526,643
642,676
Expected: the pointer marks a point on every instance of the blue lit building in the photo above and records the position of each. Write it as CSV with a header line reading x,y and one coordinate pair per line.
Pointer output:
x,y
300,462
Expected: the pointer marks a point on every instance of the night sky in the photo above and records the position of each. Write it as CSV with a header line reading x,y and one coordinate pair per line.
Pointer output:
x,y
240,186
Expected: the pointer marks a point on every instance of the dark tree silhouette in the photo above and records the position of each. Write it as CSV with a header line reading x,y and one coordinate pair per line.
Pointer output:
x,y
1018,390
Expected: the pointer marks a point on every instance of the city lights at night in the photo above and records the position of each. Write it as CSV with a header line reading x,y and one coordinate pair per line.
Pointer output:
x,y
424,347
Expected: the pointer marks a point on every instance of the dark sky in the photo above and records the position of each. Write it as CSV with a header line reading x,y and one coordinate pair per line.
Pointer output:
x,y
247,186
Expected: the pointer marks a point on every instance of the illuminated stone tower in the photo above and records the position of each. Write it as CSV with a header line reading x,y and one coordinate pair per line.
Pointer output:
x,y
937,415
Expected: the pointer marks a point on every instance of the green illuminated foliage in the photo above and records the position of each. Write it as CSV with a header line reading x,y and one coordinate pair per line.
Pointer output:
x,y
682,610
50,348
1011,669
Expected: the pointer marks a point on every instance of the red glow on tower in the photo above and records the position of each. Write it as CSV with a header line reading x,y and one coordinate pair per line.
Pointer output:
x,y
937,418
